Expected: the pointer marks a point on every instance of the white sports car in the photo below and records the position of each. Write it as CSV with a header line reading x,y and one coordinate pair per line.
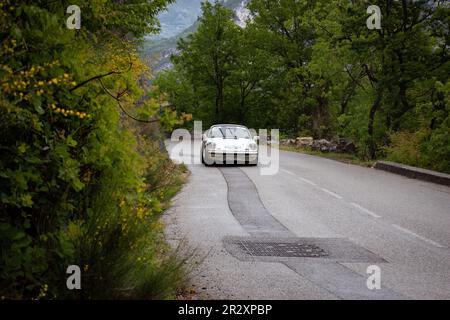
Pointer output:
x,y
229,144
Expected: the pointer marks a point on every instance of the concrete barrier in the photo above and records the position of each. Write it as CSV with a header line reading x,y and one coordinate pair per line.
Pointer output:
x,y
413,172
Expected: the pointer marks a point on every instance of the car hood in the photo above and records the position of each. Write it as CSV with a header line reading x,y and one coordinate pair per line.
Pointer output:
x,y
231,144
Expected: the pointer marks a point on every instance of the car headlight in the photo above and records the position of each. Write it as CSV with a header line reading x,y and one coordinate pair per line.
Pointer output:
x,y
211,146
253,146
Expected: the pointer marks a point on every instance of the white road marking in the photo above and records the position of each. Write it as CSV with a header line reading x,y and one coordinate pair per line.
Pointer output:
x,y
288,172
308,181
418,236
331,193
373,214
300,178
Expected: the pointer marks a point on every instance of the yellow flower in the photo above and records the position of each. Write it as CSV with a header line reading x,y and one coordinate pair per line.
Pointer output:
x,y
22,148
43,291
140,213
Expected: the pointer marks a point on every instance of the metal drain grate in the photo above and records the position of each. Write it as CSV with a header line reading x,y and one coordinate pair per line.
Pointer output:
x,y
279,249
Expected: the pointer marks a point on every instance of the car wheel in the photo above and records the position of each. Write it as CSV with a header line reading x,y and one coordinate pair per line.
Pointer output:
x,y
201,155
203,158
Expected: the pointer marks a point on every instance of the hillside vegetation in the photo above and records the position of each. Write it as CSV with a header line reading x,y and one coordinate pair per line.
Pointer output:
x,y
314,68
81,182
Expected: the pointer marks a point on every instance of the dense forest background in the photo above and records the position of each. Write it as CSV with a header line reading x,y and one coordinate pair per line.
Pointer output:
x,y
314,68
83,177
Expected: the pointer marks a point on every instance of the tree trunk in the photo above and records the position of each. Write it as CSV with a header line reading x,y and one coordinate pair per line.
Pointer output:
x,y
372,113
219,102
321,117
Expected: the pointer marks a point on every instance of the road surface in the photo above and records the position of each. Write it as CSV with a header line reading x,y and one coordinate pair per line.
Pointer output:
x,y
348,217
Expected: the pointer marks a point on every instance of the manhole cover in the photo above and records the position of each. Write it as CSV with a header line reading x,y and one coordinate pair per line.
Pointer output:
x,y
276,249
279,249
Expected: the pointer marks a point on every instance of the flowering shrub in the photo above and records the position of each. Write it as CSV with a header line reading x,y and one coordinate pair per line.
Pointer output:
x,y
74,170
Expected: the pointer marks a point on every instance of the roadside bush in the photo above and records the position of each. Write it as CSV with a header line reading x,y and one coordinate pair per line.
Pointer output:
x,y
405,148
421,149
77,182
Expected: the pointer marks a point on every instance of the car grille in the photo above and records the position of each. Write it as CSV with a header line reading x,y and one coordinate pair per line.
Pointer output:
x,y
232,158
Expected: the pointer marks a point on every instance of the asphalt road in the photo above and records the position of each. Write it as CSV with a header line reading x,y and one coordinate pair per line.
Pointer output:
x,y
359,217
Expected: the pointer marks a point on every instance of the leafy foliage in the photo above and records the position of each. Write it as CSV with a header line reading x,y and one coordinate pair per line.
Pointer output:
x,y
77,176
314,68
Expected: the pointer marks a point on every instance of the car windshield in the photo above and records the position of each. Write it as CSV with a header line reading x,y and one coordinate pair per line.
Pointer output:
x,y
230,133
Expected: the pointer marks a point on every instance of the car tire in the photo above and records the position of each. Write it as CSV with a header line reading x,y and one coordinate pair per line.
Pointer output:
x,y
201,155
203,159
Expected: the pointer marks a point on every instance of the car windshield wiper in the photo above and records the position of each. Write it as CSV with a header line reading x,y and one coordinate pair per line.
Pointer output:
x,y
223,134
233,135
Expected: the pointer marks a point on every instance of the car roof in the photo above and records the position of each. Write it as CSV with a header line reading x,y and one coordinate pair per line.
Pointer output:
x,y
228,125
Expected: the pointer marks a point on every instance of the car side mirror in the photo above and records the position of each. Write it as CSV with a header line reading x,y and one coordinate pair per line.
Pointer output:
x,y
256,138
204,137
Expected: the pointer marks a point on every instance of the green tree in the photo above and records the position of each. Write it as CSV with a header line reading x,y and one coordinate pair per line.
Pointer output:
x,y
395,59
208,56
315,68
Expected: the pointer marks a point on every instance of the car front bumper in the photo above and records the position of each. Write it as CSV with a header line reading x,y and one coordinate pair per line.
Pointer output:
x,y
233,157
